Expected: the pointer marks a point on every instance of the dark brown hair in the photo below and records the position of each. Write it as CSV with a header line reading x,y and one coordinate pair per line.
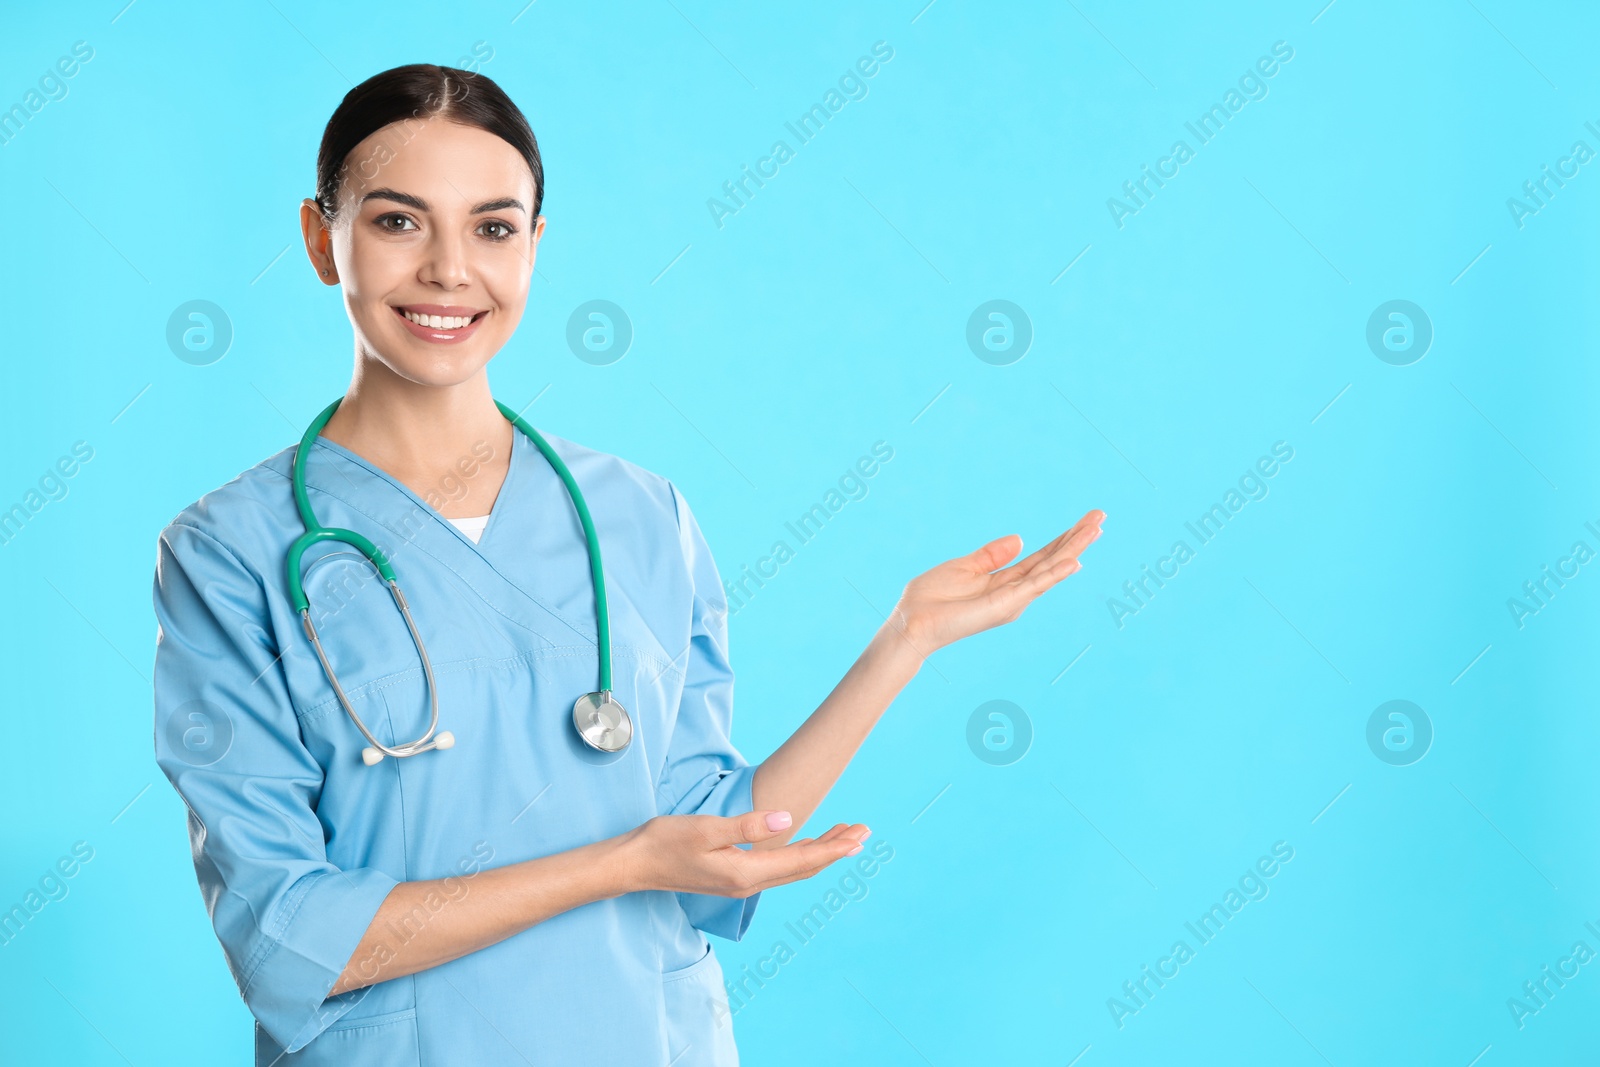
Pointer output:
x,y
411,95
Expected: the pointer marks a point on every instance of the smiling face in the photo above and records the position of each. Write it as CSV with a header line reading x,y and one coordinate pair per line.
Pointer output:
x,y
434,244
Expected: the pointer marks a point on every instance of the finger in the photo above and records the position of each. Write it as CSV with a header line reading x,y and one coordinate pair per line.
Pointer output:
x,y
1069,546
1008,599
834,831
828,835
809,872
1030,588
796,874
831,834
1047,576
750,827
801,859
823,864
995,554
1074,540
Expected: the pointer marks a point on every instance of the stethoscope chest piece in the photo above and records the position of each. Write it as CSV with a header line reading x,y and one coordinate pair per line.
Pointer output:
x,y
602,722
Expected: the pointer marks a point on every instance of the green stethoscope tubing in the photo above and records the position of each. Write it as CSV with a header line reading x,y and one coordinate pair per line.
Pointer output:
x,y
315,532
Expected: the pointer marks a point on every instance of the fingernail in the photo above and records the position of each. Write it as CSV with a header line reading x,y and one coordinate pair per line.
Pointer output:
x,y
779,820
853,851
866,835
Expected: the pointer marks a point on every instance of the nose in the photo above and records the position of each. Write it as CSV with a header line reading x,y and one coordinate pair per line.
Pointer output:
x,y
446,263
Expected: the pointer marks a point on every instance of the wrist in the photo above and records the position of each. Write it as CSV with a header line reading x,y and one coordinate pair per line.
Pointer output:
x,y
622,864
902,647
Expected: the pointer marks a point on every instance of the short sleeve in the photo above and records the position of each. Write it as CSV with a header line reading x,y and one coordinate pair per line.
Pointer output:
x,y
705,774
227,738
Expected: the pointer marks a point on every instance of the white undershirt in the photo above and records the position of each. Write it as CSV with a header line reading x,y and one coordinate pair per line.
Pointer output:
x,y
472,527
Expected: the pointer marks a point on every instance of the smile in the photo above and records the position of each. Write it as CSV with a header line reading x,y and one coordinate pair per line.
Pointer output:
x,y
440,324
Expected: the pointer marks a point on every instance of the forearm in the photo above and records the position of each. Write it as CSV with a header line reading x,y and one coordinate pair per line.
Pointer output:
x,y
409,935
797,777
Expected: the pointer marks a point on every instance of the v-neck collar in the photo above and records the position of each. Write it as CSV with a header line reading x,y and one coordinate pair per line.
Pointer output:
x,y
519,446
490,581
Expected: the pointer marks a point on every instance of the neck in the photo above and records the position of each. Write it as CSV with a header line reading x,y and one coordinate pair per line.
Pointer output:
x,y
415,431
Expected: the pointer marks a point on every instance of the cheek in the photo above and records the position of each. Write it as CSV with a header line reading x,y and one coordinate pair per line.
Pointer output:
x,y
507,285
369,314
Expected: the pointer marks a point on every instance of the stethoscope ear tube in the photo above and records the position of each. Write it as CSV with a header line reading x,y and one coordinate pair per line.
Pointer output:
x,y
599,718
377,749
596,571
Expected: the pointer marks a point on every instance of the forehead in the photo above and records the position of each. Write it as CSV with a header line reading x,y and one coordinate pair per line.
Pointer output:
x,y
439,160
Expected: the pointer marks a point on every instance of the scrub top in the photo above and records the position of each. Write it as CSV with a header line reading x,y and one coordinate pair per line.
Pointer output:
x,y
296,841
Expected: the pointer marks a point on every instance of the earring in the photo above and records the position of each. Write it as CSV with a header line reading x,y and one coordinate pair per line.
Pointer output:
x,y
324,270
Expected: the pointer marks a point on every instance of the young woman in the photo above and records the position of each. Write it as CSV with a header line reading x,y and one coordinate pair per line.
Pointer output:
x,y
491,818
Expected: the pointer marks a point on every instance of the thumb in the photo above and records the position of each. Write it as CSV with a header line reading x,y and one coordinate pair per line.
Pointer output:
x,y
996,553
751,827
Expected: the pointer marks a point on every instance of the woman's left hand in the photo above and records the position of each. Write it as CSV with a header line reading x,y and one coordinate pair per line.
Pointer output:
x,y
968,594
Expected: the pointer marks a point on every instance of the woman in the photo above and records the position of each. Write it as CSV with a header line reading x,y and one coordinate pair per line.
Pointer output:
x,y
533,882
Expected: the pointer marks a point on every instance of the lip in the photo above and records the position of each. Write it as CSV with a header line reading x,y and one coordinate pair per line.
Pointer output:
x,y
440,337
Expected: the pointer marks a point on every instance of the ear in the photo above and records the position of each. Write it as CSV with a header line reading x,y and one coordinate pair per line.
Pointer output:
x,y
319,242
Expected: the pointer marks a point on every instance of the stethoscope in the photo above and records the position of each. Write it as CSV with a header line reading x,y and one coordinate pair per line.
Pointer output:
x,y
601,721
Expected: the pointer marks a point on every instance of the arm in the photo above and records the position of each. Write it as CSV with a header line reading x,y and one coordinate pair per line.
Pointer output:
x,y
295,928
956,599
228,739
480,909
678,853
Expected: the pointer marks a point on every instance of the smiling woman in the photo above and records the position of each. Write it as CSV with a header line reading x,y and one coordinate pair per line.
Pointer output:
x,y
402,234
624,824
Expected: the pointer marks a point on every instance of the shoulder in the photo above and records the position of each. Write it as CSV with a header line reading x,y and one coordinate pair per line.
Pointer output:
x,y
243,518
644,511
624,481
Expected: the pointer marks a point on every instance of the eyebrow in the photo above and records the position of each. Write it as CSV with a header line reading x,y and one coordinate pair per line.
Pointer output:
x,y
420,204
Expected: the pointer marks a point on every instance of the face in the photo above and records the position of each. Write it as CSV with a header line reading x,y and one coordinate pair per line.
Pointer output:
x,y
434,245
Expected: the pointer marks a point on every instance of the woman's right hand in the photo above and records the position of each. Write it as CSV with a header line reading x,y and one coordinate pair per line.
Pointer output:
x,y
700,853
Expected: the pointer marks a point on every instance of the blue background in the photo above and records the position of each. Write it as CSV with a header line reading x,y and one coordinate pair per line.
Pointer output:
x,y
769,354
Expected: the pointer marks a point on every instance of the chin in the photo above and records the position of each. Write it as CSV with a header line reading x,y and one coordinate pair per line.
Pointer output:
x,y
438,373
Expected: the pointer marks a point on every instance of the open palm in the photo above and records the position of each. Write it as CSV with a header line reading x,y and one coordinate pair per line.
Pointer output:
x,y
970,593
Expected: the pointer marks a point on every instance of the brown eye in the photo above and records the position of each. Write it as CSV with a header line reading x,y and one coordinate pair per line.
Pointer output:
x,y
505,230
384,220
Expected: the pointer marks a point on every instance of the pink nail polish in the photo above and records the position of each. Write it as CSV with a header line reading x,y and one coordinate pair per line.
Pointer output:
x,y
853,851
779,820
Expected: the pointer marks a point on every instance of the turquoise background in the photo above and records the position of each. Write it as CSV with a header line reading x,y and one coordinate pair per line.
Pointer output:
x,y
830,312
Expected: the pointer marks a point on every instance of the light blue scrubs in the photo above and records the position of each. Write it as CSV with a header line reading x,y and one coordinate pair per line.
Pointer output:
x,y
296,842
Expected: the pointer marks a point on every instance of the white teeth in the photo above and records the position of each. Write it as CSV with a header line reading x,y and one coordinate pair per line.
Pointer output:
x,y
438,322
